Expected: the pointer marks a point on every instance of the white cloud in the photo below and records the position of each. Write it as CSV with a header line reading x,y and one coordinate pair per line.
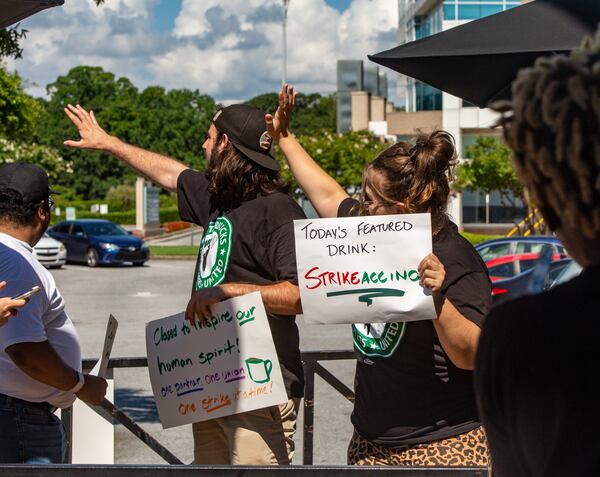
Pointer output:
x,y
230,49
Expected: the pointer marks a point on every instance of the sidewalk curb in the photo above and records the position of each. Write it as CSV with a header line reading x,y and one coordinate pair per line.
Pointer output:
x,y
174,235
173,257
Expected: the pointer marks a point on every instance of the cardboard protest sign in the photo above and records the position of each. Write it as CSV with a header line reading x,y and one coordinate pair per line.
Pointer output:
x,y
102,365
363,269
225,366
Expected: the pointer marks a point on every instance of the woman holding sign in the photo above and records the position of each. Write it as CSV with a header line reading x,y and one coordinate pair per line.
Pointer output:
x,y
415,403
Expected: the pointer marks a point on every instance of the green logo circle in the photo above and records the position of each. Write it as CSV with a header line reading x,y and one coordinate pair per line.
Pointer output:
x,y
378,339
214,253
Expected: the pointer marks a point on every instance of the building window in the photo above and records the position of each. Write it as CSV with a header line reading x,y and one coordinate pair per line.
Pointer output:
x,y
473,10
474,207
479,208
428,97
449,11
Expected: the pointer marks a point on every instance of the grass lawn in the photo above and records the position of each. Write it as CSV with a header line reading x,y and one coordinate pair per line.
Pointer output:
x,y
478,238
173,251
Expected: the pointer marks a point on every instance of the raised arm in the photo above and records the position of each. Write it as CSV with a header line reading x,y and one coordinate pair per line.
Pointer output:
x,y
161,170
322,190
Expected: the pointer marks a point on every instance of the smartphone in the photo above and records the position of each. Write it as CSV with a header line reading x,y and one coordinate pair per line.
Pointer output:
x,y
27,294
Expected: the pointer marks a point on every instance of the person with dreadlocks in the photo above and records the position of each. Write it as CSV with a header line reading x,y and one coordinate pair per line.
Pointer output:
x,y
535,365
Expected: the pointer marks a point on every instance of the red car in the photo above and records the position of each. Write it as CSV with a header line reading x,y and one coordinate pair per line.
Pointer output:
x,y
505,272
510,266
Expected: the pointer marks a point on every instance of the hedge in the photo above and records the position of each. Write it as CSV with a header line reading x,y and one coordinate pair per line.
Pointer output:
x,y
166,215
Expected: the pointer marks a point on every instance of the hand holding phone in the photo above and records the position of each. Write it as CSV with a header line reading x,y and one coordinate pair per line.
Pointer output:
x,y
27,294
8,306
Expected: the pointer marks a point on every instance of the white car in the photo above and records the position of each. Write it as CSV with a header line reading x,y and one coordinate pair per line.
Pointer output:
x,y
50,253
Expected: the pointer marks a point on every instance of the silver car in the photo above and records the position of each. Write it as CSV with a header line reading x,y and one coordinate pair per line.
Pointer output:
x,y
50,252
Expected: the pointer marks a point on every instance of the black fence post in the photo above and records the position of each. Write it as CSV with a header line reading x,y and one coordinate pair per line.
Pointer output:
x,y
309,412
66,416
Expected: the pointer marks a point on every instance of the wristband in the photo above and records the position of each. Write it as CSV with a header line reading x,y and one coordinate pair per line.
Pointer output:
x,y
80,383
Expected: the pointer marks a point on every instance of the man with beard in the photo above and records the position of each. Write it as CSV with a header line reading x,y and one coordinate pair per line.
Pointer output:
x,y
242,203
40,357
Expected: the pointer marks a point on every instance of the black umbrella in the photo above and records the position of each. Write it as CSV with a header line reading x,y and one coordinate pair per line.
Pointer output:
x,y
12,11
478,61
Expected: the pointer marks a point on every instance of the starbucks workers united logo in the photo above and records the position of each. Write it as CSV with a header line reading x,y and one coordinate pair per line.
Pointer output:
x,y
215,250
378,339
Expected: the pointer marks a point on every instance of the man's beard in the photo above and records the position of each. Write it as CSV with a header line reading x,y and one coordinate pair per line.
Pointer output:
x,y
211,162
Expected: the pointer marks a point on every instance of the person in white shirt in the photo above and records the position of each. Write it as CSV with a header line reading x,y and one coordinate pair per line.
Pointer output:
x,y
8,306
40,356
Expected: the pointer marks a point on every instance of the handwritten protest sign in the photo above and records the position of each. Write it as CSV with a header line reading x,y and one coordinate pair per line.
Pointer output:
x,y
225,366
363,269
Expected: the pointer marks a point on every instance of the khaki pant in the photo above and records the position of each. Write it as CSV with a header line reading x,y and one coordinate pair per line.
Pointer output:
x,y
261,437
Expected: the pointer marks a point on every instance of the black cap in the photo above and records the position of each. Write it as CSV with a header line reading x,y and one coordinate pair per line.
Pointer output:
x,y
246,128
27,179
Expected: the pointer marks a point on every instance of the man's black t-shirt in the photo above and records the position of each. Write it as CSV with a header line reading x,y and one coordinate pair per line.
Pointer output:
x,y
537,383
253,243
407,389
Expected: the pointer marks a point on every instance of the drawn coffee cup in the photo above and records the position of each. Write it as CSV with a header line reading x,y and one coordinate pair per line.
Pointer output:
x,y
259,370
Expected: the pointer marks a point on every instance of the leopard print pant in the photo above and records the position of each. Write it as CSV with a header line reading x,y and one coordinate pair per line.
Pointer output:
x,y
465,450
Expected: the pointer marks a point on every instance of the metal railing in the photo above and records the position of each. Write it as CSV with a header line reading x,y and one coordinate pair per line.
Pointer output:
x,y
529,225
312,367
230,471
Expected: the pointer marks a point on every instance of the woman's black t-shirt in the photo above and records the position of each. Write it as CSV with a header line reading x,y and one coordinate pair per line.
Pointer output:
x,y
407,389
252,243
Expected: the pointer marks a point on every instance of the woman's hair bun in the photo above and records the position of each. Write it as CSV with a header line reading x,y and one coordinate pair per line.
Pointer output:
x,y
436,150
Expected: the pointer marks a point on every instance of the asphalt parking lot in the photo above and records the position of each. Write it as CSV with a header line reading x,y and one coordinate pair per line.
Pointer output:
x,y
137,295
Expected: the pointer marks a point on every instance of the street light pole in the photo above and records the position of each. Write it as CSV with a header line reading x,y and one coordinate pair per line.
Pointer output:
x,y
286,4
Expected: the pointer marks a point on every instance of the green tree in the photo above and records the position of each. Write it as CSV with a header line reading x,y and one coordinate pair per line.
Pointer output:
x,y
488,168
113,101
9,42
121,198
18,111
173,123
313,112
46,157
343,156
168,122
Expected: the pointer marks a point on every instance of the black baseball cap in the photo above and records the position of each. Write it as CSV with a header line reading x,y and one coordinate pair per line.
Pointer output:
x,y
27,179
246,128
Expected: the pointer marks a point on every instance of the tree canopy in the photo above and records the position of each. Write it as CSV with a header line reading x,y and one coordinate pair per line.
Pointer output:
x,y
9,42
18,111
171,123
313,112
488,168
343,156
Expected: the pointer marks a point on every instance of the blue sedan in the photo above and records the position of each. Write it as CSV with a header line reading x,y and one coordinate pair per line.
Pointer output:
x,y
94,242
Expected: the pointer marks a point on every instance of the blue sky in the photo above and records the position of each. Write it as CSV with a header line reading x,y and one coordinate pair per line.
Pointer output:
x,y
229,49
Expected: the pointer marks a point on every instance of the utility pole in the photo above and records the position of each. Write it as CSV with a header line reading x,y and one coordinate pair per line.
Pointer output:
x,y
286,4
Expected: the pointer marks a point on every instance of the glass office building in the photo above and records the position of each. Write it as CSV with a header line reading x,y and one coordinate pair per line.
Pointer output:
x,y
419,19
353,76
467,10
349,78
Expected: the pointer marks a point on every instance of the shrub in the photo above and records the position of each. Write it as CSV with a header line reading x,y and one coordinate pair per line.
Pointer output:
x,y
121,198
